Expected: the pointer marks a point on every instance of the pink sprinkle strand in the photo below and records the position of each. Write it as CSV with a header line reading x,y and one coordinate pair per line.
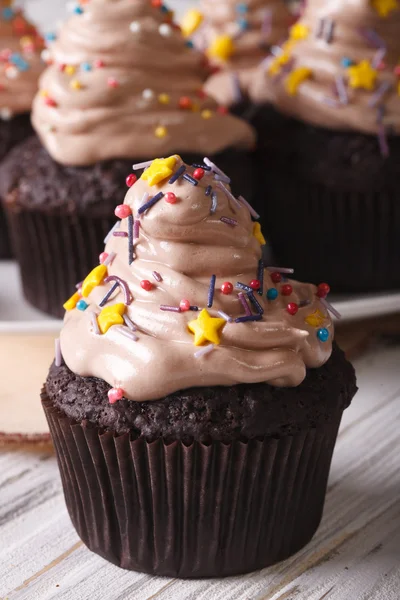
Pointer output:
x,y
142,165
109,259
129,323
214,167
204,351
168,308
253,213
243,302
223,314
136,229
157,276
281,269
58,355
110,233
229,221
95,324
120,234
127,333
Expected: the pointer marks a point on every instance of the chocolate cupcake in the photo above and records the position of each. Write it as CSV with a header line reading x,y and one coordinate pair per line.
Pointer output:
x,y
329,128
122,87
20,67
196,395
236,37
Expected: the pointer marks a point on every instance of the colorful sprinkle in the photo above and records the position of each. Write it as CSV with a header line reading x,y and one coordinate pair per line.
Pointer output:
x,y
229,221
323,334
223,314
244,303
184,305
122,211
204,351
272,294
58,355
95,325
206,328
211,291
177,174
168,308
114,395
227,288
292,308
108,295
131,179
248,318
150,203
94,279
82,305
255,303
111,315
157,276
170,197
128,333
124,286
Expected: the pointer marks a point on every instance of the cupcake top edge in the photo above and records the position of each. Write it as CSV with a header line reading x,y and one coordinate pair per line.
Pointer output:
x,y
339,68
122,82
20,61
182,297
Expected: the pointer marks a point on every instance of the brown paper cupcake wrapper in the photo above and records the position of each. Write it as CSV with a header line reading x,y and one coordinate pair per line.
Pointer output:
x,y
348,239
54,253
192,510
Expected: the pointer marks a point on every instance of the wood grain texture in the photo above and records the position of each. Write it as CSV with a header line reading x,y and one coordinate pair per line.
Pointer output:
x,y
354,556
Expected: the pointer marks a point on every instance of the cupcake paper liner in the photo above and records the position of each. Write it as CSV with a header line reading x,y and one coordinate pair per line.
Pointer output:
x,y
54,253
348,239
198,510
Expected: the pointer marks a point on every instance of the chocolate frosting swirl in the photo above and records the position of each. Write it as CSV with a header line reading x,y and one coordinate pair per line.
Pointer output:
x,y
180,246
344,56
254,26
124,84
20,61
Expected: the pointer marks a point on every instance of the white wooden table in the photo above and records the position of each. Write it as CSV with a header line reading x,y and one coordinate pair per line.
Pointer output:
x,y
354,556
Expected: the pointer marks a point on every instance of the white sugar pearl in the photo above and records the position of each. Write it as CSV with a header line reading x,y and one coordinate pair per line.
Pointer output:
x,y
135,27
165,30
45,55
148,94
12,72
5,114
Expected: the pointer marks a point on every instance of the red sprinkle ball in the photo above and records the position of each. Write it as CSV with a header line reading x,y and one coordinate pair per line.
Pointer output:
x,y
115,394
276,277
99,64
198,173
170,198
103,257
184,305
112,82
292,308
156,3
185,102
255,284
146,285
323,290
131,179
227,288
122,211
286,289
222,110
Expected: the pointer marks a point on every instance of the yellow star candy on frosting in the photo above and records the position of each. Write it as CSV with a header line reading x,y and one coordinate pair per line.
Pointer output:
x,y
385,7
258,233
72,302
295,78
111,315
159,170
206,328
315,319
276,65
191,21
221,47
94,278
299,31
362,75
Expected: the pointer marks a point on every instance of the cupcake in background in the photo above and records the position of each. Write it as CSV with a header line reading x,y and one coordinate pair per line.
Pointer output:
x,y
20,67
198,384
122,86
329,126
236,37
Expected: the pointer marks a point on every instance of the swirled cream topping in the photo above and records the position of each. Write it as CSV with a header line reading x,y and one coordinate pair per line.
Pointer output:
x,y
339,68
20,61
237,36
124,84
182,297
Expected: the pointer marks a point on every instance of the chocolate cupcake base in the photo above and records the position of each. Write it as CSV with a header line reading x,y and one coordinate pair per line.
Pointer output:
x,y
333,212
59,216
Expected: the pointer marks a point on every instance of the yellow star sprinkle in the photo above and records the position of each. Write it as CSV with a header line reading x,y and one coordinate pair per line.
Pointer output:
x,y
70,70
75,84
191,21
276,65
159,170
206,328
362,75
222,48
385,7
94,278
163,98
160,132
206,114
258,234
295,78
299,31
111,315
315,319
72,302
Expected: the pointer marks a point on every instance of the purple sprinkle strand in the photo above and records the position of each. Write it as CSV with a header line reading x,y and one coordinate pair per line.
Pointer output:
x,y
242,286
208,190
190,179
222,178
110,233
168,308
79,285
255,303
281,270
204,167
93,318
380,92
211,291
253,213
130,239
372,37
120,234
150,203
214,203
157,276
177,174
109,294
266,24
194,308
109,259
383,143
136,228
213,166
330,101
330,28
329,307
229,221
243,302
142,165
378,57
223,314
128,333
303,303
58,355
260,277
204,351
341,89
124,286
320,28
248,318
129,323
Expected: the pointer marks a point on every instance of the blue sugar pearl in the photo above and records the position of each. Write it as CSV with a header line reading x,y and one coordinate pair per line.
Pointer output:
x,y
243,24
241,8
323,334
164,8
50,37
346,62
86,66
81,305
189,44
7,14
78,10
272,294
